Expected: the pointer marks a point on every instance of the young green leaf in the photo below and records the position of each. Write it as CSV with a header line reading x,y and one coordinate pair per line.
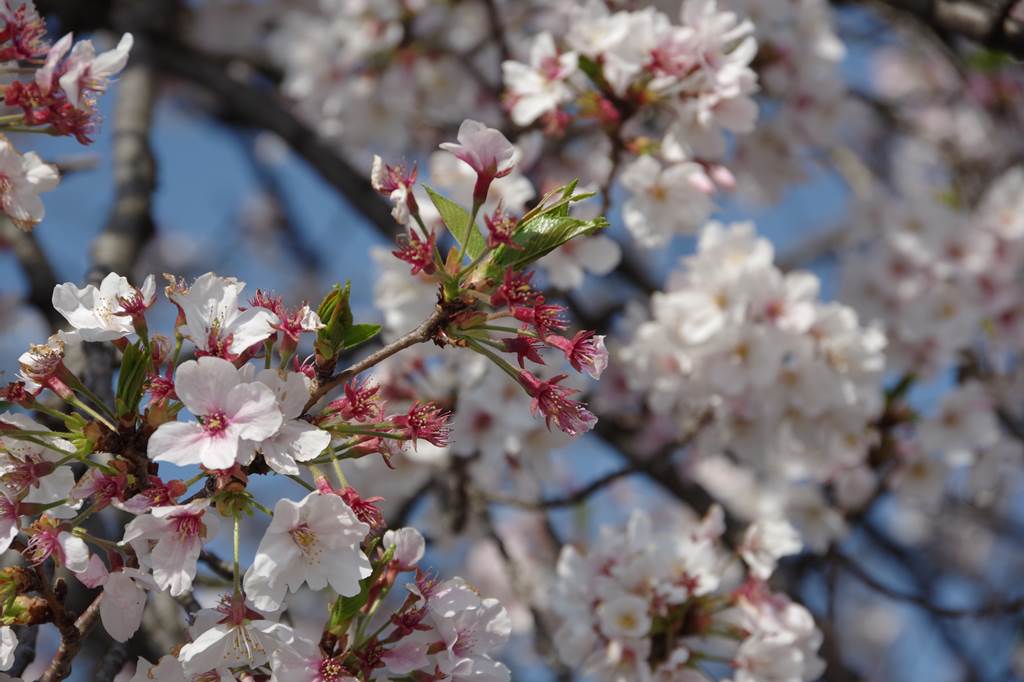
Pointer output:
x,y
456,219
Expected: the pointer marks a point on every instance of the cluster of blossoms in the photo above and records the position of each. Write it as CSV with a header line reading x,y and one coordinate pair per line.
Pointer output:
x,y
244,402
791,385
941,279
59,99
798,71
666,91
521,322
670,604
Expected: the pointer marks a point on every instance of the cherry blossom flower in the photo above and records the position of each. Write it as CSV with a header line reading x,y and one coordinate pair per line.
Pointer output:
x,y
315,541
567,266
23,32
409,547
168,541
231,636
231,410
304,662
471,628
8,644
486,151
665,200
85,71
213,320
553,402
585,352
22,179
538,88
765,542
296,440
28,470
124,600
99,314
396,183
48,540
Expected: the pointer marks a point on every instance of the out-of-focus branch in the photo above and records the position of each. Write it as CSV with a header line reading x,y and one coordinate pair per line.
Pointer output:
x,y
130,223
992,23
983,611
260,107
36,268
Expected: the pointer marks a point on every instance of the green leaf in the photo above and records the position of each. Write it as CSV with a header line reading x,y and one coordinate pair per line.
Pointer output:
x,y
132,379
542,235
988,61
359,334
336,314
456,219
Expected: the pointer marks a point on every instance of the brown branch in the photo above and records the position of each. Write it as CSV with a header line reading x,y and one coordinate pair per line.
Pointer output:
x,y
263,108
569,500
72,634
1002,608
991,23
36,268
421,334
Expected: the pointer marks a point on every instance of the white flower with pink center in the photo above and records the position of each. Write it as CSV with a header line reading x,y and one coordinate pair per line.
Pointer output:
x,y
88,72
168,540
214,322
315,541
22,180
29,468
229,409
231,636
296,440
471,628
304,662
103,313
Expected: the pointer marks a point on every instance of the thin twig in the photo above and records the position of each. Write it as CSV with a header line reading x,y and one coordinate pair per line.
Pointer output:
x,y
421,334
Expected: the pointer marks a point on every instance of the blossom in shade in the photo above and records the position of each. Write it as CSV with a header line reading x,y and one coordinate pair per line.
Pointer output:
x,y
230,409
409,547
487,151
471,628
168,541
585,351
8,644
304,662
100,313
554,403
48,540
315,541
124,600
28,470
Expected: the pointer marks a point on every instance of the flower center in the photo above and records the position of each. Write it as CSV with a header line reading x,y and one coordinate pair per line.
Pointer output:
x,y
332,670
305,538
188,525
215,424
